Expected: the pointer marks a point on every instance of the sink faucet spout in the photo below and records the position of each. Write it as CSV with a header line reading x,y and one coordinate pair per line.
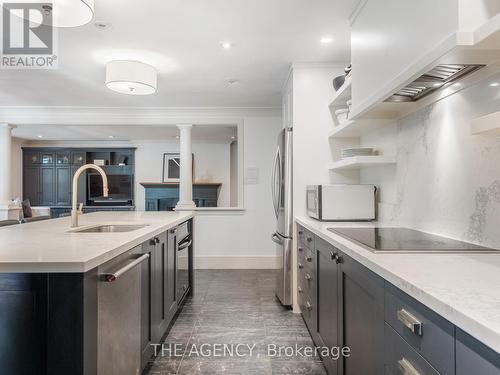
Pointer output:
x,y
74,201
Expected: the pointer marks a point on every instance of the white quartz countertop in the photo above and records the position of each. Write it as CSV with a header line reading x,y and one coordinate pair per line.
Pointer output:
x,y
463,288
51,246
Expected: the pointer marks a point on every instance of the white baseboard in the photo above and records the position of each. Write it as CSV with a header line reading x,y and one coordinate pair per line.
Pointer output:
x,y
221,263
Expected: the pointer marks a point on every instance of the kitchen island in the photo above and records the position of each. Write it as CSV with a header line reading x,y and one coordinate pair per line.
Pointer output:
x,y
92,299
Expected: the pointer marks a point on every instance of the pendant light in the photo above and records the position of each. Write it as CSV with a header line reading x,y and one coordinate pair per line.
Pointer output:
x,y
131,77
64,13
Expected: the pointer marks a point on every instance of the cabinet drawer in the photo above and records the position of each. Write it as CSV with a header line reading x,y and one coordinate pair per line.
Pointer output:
x,y
429,334
306,238
308,307
306,257
401,358
307,279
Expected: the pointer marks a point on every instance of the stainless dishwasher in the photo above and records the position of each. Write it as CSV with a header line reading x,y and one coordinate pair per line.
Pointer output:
x,y
119,314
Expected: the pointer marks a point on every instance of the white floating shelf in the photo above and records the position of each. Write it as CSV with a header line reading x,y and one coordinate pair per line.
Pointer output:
x,y
357,128
489,124
342,95
357,162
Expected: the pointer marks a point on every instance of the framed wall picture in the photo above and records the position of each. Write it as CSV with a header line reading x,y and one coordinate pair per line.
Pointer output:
x,y
172,167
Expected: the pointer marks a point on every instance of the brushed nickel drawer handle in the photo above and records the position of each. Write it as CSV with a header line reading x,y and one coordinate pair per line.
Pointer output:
x,y
301,266
407,368
308,277
301,249
309,239
309,259
411,322
300,289
308,305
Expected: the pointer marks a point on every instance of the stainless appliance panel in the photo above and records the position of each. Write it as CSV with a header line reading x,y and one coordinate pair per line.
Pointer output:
x,y
284,272
282,184
182,262
119,315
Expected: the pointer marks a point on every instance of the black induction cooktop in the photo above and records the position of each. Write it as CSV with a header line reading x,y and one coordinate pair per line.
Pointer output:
x,y
404,240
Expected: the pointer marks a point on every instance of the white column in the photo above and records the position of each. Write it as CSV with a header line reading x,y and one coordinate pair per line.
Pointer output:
x,y
186,174
5,163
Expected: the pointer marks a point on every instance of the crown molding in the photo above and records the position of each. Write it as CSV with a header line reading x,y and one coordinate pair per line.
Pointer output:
x,y
132,115
328,65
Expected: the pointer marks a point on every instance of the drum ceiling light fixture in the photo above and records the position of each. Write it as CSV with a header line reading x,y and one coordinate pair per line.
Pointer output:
x,y
131,77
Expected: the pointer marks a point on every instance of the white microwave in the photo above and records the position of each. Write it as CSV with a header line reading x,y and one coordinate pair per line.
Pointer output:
x,y
341,202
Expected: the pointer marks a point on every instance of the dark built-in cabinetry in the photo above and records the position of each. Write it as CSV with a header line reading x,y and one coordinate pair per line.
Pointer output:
x,y
344,304
48,177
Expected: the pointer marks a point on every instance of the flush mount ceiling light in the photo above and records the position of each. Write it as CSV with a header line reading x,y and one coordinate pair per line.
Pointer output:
x,y
70,13
494,84
131,77
326,40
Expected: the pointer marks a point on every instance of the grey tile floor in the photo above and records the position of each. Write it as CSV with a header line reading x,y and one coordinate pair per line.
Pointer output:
x,y
234,307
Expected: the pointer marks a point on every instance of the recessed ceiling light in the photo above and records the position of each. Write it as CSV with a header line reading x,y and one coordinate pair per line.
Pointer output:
x,y
39,136
233,137
326,40
226,45
102,25
177,137
111,136
494,84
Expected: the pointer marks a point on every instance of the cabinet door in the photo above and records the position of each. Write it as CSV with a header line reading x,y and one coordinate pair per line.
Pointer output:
x,y
31,185
63,186
31,158
160,313
62,157
361,317
47,188
146,302
82,186
78,158
475,358
327,276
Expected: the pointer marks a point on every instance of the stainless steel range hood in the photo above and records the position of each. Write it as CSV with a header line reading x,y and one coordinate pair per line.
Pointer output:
x,y
433,80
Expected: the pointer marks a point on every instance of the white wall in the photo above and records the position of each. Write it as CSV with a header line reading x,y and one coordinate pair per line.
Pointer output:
x,y
312,120
17,168
244,239
446,181
211,164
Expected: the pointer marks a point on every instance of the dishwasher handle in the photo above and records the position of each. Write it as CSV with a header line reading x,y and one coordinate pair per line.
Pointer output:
x,y
113,276
184,244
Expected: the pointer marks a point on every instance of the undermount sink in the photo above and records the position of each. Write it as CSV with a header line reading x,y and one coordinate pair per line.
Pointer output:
x,y
110,228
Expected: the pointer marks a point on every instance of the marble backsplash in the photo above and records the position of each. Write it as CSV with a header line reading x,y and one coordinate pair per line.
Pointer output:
x,y
446,181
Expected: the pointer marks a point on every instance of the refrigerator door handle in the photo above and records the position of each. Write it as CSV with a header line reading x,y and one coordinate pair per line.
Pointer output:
x,y
276,239
273,182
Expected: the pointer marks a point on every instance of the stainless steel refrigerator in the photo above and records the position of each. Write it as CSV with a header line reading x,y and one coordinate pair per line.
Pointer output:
x,y
282,202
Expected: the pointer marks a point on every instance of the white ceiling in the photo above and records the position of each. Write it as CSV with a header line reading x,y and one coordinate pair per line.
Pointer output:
x,y
199,133
181,38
